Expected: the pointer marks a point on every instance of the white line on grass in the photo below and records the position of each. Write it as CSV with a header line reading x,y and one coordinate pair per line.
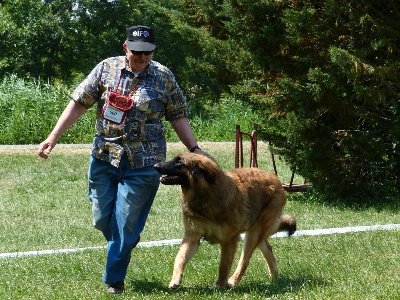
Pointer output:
x,y
178,241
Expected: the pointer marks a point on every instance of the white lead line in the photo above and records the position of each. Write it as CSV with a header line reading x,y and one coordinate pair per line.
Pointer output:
x,y
178,241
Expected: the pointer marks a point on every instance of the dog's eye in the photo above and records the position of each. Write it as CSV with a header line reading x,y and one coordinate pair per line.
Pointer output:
x,y
178,162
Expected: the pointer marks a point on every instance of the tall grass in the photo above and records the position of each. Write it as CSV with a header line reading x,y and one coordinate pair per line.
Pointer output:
x,y
29,109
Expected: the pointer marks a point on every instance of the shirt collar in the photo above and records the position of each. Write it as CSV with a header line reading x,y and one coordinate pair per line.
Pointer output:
x,y
149,70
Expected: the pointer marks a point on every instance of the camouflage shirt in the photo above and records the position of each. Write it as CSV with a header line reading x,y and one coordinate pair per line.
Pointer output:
x,y
156,95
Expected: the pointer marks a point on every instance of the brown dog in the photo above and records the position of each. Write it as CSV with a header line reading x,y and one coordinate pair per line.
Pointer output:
x,y
219,206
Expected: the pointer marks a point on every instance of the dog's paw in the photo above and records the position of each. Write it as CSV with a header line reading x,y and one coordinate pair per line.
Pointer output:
x,y
223,285
274,278
174,286
232,282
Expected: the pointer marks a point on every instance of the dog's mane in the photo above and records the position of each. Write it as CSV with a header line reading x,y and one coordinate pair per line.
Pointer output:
x,y
200,198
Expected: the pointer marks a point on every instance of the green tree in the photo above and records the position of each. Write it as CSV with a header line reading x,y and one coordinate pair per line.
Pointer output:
x,y
341,104
33,36
64,39
60,39
325,73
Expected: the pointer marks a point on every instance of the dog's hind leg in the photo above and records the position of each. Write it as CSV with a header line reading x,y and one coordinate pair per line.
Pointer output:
x,y
249,244
188,249
228,251
266,250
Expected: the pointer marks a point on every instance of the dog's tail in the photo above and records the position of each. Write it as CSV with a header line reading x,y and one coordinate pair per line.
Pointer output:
x,y
288,223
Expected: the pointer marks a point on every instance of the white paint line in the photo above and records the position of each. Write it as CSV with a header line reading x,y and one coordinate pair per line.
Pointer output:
x,y
42,252
340,230
178,241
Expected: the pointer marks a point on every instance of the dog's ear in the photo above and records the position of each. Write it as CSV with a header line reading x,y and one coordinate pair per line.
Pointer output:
x,y
209,171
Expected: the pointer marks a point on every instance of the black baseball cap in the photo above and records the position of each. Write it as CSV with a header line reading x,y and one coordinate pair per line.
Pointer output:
x,y
140,38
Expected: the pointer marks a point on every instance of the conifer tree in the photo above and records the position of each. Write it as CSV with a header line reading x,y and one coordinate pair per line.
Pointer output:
x,y
327,75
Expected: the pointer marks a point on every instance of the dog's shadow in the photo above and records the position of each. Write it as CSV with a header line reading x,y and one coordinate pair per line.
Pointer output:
x,y
280,286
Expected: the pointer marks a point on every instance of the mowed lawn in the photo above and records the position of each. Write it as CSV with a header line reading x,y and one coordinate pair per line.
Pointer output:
x,y
43,206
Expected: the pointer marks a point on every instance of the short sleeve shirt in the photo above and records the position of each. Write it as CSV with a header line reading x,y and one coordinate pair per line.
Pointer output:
x,y
141,135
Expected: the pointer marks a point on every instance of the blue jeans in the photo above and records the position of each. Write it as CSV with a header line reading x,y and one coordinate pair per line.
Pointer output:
x,y
121,200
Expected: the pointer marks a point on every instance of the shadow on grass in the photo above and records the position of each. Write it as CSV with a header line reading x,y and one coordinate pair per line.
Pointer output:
x,y
279,287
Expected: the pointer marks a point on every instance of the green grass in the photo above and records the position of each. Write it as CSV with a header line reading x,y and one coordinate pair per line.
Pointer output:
x,y
43,205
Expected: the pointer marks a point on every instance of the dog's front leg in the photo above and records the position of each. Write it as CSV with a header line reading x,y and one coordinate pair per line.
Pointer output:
x,y
228,251
188,248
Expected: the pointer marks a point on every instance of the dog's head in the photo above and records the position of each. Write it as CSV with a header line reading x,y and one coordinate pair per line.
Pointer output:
x,y
187,169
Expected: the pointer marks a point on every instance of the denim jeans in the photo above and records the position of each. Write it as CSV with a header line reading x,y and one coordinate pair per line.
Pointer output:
x,y
121,200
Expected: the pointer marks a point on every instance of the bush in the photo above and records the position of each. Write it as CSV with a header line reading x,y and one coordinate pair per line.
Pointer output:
x,y
29,110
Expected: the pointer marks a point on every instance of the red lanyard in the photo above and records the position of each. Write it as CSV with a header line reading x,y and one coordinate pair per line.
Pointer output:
x,y
133,89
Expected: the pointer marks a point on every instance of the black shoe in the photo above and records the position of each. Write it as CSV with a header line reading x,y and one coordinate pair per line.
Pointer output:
x,y
116,288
